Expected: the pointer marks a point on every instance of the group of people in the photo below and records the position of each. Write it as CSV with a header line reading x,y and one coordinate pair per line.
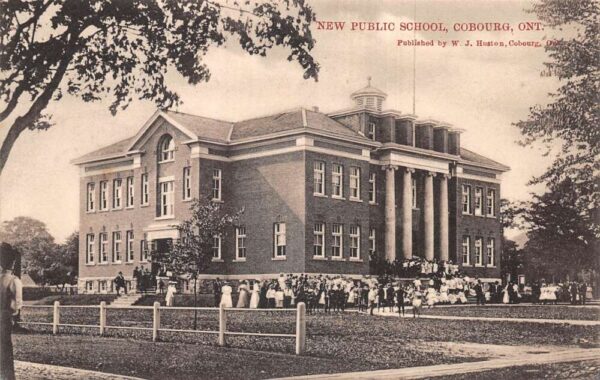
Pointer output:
x,y
144,279
323,293
573,292
420,267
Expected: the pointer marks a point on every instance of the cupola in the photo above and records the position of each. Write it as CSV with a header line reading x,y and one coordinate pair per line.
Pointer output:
x,y
369,97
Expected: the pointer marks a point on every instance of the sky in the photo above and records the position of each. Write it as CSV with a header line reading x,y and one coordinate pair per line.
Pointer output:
x,y
482,90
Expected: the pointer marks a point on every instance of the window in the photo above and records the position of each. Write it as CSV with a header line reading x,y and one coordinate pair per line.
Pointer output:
x,y
337,181
103,252
491,252
279,239
145,189
103,195
129,254
413,189
167,149
354,183
319,174
216,184
216,248
372,241
89,286
466,250
491,202
187,183
91,197
166,198
117,193
144,253
478,251
372,187
319,232
240,238
336,240
371,131
102,286
116,251
355,242
130,192
89,251
466,199
479,201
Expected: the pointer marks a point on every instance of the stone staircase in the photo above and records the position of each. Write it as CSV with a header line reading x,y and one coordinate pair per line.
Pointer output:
x,y
126,299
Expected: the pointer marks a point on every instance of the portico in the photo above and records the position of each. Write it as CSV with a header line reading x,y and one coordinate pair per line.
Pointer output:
x,y
433,174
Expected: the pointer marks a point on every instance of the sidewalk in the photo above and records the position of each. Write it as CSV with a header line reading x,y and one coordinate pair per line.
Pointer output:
x,y
569,355
29,370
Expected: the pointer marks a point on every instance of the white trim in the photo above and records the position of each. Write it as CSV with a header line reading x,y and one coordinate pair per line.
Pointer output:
x,y
478,178
170,178
150,123
437,166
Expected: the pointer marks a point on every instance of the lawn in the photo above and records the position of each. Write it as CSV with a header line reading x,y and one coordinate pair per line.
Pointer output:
x,y
575,370
362,342
77,299
539,312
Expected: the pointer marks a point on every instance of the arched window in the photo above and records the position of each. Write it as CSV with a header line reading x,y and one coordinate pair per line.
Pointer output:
x,y
166,149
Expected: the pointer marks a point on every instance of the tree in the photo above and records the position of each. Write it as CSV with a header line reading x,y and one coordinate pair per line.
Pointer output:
x,y
124,49
30,237
512,259
562,237
572,118
62,266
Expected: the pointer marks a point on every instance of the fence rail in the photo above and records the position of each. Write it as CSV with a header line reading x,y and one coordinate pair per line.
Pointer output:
x,y
299,334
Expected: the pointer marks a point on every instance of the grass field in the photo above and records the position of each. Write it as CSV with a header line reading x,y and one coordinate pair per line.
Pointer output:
x,y
335,343
541,312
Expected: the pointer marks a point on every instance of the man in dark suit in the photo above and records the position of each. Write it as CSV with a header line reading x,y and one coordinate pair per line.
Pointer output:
x,y
217,285
400,300
479,293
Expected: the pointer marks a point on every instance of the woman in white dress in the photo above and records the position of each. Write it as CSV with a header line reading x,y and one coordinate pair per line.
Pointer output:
x,y
444,294
243,295
431,297
226,295
416,303
255,297
279,295
506,297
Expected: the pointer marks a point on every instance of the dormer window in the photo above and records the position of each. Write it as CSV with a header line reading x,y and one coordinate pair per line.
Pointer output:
x,y
166,149
371,131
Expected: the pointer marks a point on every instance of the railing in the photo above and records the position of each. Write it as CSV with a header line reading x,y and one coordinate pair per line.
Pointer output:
x,y
299,334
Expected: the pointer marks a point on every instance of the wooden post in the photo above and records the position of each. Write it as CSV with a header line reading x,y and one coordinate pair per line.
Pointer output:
x,y
102,317
56,317
222,324
300,328
155,321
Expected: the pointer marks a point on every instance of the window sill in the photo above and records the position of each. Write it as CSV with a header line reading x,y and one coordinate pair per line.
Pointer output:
x,y
214,200
358,200
145,205
338,197
320,195
216,260
117,262
129,208
280,258
186,200
91,212
168,217
238,261
116,208
129,263
491,266
478,266
355,260
320,258
373,203
106,263
338,259
103,210
166,161
90,264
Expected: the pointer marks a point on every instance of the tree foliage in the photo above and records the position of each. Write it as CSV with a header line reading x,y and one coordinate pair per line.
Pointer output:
x,y
563,238
571,119
31,238
192,253
125,48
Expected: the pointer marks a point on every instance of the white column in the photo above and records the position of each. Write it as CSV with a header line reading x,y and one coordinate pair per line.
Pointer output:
x,y
407,212
443,211
390,212
428,216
